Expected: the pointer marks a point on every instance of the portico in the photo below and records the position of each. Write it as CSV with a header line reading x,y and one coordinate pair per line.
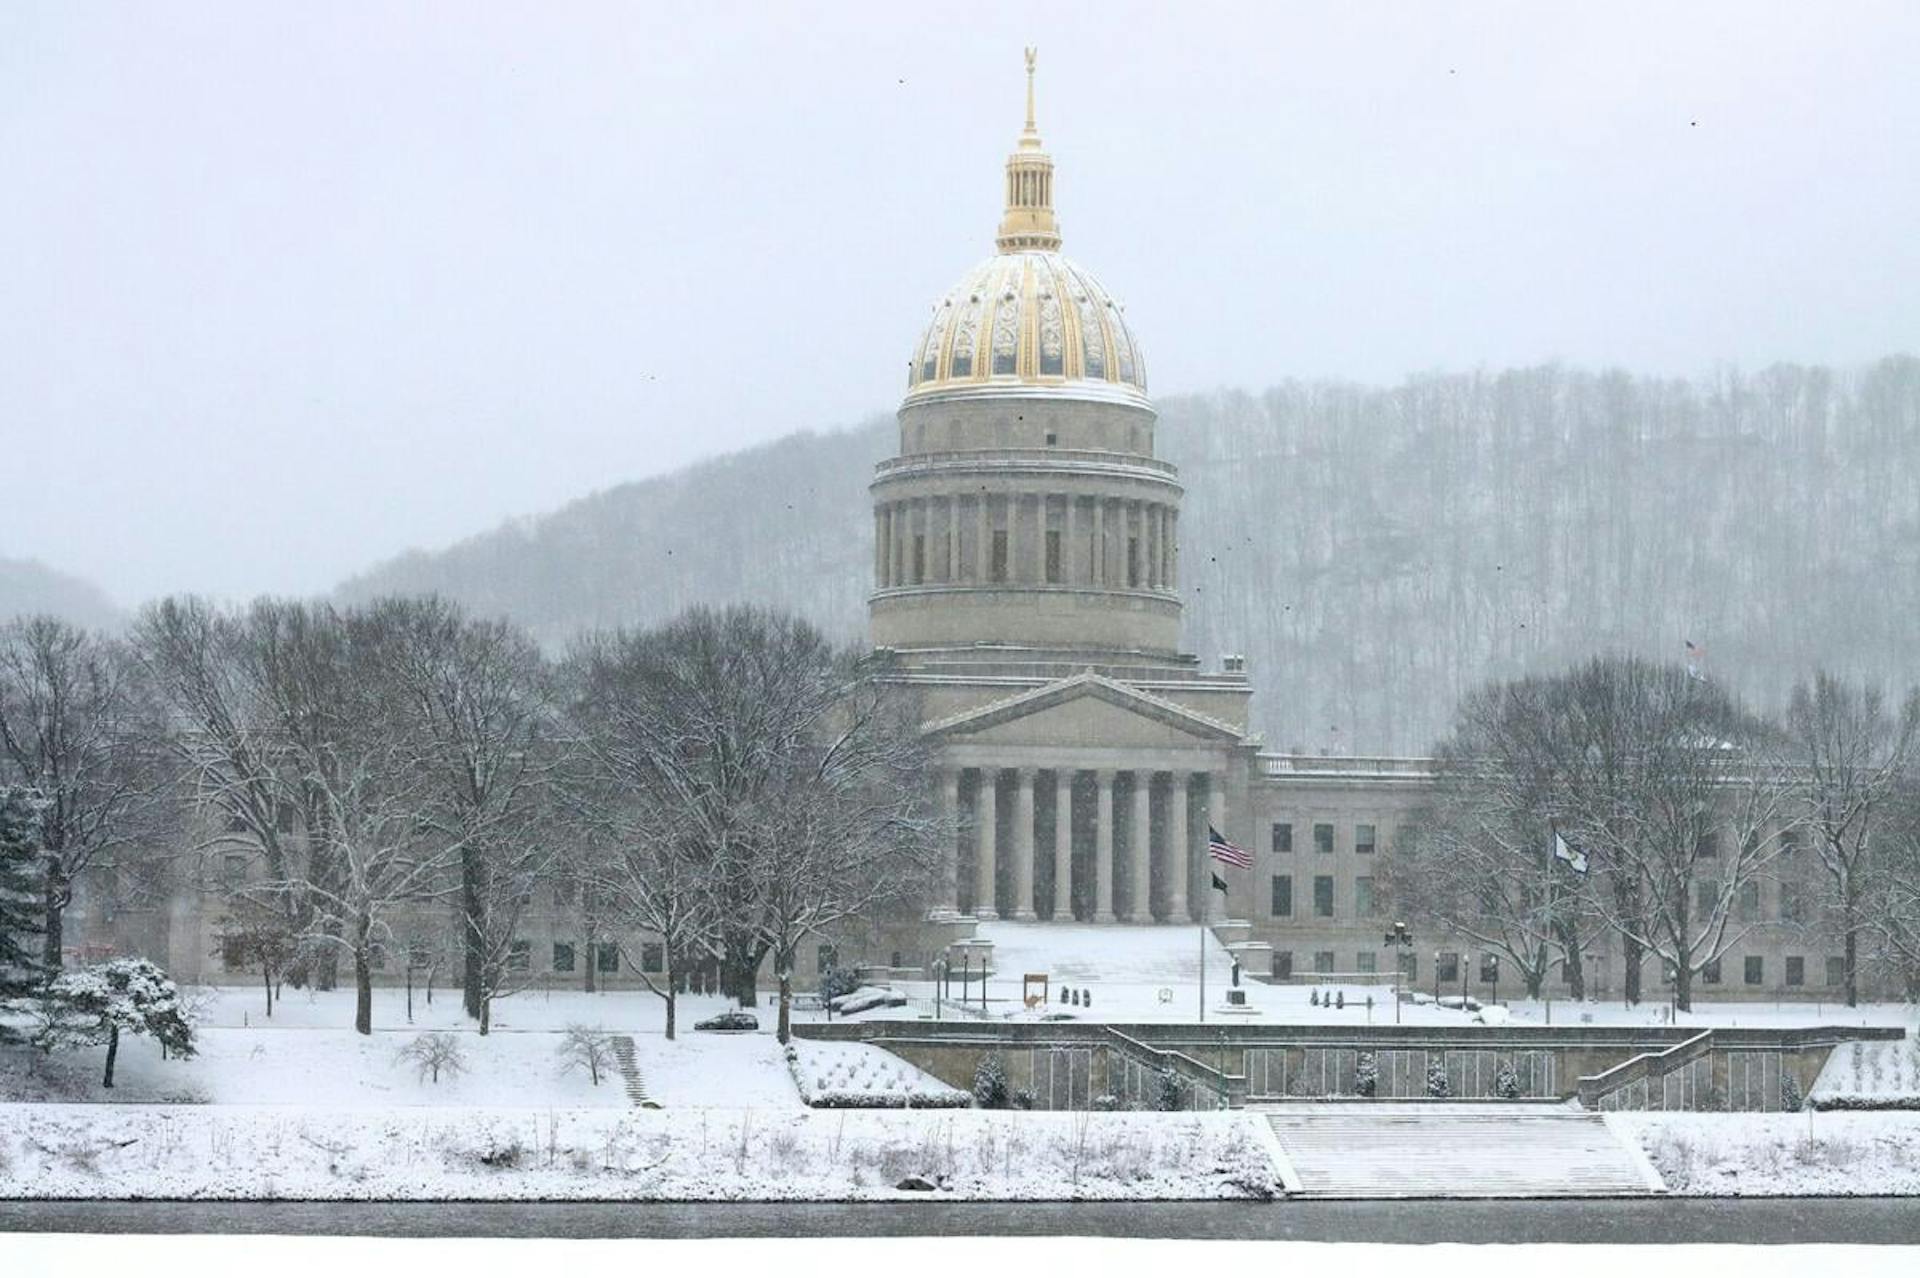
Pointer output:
x,y
1084,799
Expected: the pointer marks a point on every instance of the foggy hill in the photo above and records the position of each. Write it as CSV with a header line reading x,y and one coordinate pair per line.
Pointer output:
x,y
28,586
1374,552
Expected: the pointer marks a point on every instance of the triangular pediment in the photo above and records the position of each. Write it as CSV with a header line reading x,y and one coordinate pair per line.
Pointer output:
x,y
1088,708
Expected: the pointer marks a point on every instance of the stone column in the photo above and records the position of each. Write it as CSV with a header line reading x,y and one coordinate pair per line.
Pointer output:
x,y
1140,839
1013,538
1179,849
953,539
1063,844
1068,554
949,900
986,853
1099,541
983,541
1040,538
1174,549
1023,848
1217,818
1103,850
1150,543
879,546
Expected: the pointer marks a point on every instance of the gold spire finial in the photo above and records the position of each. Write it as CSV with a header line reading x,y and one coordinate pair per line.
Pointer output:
x,y
1029,221
1032,130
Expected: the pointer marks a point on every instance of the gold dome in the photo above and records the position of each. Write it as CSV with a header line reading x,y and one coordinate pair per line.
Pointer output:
x,y
1028,320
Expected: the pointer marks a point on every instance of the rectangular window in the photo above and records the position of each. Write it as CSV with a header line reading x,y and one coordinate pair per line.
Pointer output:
x,y
1282,964
1323,896
607,958
1282,838
1322,962
1366,961
1363,838
1793,901
519,955
283,818
563,956
1710,973
1789,842
824,958
1323,839
1489,968
999,554
1283,896
1796,970
1750,901
1756,969
1363,906
1706,894
1409,965
1449,967
653,957
1836,969
233,953
1053,557
233,871
377,958
1707,847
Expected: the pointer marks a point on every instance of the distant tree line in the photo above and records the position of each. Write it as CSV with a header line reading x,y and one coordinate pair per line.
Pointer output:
x,y
1642,803
1375,552
402,778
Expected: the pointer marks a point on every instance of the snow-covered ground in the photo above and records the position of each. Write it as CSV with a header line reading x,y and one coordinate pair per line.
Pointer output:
x,y
1760,1154
1151,973
1870,1075
90,1151
861,1074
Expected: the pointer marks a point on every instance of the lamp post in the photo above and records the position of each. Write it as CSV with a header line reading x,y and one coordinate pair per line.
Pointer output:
x,y
1400,941
939,976
1466,966
1493,961
1436,978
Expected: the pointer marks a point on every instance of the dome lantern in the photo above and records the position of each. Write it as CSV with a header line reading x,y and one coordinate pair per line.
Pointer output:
x,y
1029,222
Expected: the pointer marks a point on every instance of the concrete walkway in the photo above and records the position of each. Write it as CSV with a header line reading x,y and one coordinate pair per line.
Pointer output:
x,y
1366,1150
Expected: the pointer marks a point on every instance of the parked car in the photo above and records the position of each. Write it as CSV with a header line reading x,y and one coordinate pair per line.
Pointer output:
x,y
734,1022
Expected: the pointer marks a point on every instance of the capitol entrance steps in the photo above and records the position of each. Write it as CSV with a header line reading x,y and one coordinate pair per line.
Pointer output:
x,y
1439,1150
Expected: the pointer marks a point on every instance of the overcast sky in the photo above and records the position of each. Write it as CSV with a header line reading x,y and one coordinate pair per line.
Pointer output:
x,y
286,289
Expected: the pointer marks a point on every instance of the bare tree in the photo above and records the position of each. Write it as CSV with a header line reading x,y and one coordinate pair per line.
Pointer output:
x,y
1687,814
587,1047
1850,750
784,776
1478,858
1893,891
78,728
480,699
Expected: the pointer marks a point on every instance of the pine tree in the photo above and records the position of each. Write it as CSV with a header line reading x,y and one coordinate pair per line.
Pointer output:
x,y
990,1083
1438,1085
22,894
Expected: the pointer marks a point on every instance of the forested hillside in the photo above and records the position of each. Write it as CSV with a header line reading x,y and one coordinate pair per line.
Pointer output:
x,y
1373,551
28,586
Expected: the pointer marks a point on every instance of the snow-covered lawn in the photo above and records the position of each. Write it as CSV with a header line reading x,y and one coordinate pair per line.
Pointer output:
x,y
92,1151
1758,1154
719,1070
1870,1076
1150,973
308,1067
858,1074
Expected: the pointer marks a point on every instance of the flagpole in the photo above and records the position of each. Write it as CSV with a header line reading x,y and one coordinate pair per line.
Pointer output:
x,y
1203,961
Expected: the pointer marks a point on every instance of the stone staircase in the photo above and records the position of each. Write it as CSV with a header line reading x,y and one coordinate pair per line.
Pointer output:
x,y
623,1055
1383,1150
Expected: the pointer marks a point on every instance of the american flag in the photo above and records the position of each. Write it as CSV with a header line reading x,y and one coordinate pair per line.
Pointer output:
x,y
1221,850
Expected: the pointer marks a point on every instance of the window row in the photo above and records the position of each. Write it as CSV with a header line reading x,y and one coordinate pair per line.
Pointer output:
x,y
1365,838
1365,903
